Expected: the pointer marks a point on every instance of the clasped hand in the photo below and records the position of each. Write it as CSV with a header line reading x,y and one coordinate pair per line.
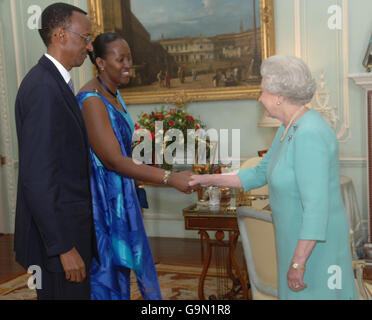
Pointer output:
x,y
180,180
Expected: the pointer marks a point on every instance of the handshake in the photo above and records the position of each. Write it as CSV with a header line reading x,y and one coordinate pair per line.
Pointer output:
x,y
183,181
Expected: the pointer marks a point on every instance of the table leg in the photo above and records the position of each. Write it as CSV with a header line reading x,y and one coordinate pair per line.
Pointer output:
x,y
206,264
228,264
202,246
233,241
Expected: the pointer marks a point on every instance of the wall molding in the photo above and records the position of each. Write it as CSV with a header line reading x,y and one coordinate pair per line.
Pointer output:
x,y
353,162
301,49
297,28
344,161
13,12
345,132
6,136
357,162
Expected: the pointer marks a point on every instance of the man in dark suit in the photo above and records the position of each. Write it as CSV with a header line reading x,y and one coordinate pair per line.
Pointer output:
x,y
54,224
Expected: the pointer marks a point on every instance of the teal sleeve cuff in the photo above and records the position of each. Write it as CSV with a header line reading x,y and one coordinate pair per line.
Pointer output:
x,y
251,178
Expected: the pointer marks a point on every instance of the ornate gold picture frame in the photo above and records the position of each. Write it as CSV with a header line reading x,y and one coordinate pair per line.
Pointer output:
x,y
223,65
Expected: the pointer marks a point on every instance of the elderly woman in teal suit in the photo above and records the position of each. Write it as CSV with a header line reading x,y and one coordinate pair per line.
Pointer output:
x,y
302,172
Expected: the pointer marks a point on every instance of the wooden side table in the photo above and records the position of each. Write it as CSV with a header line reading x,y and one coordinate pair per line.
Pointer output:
x,y
219,222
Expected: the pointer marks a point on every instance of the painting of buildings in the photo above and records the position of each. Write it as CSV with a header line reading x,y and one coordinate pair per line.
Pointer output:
x,y
173,54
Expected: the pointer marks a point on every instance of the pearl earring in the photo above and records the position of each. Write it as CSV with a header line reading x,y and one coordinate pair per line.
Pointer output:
x,y
278,103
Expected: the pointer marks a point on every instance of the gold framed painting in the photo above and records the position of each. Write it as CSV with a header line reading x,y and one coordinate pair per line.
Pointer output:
x,y
190,50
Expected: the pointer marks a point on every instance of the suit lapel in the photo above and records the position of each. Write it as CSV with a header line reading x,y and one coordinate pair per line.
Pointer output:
x,y
67,94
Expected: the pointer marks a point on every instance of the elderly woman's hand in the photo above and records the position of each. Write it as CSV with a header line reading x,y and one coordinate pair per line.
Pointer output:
x,y
200,180
295,279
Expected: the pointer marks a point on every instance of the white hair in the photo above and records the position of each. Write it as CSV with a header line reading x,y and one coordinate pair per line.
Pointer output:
x,y
289,77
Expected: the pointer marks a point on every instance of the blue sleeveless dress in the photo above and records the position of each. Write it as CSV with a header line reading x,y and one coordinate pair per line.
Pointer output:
x,y
121,238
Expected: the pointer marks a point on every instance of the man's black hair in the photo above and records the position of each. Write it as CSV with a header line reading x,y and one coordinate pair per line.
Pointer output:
x,y
55,16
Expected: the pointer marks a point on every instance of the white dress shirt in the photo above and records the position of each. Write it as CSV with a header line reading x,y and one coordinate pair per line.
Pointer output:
x,y
65,74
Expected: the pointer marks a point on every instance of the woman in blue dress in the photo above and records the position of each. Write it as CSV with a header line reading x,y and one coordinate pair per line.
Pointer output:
x,y
121,239
302,172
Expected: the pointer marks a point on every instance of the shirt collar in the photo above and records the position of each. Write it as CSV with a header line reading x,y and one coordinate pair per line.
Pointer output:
x,y
63,71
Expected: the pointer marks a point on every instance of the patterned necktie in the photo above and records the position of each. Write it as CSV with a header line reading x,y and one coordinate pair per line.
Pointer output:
x,y
71,85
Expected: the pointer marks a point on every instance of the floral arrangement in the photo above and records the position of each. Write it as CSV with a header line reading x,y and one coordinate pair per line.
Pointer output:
x,y
182,120
207,168
172,118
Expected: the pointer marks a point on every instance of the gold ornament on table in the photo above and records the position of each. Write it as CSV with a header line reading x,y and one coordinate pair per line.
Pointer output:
x,y
243,198
225,198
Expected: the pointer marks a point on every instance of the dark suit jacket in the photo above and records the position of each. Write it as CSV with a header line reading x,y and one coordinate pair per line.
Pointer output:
x,y
54,203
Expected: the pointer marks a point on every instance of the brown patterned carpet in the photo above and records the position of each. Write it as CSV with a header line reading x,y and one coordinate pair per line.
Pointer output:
x,y
176,282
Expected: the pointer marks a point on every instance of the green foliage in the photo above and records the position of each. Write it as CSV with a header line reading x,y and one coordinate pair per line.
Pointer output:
x,y
172,118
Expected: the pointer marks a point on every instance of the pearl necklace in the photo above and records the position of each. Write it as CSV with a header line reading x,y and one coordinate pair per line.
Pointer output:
x,y
291,122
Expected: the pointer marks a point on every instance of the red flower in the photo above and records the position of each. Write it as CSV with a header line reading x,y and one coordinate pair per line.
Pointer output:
x,y
171,123
136,126
172,111
190,117
144,115
197,127
161,116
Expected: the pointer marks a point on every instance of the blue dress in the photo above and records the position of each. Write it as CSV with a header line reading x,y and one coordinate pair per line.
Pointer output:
x,y
121,237
302,173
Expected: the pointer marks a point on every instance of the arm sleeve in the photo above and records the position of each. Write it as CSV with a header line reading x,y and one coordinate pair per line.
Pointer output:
x,y
252,178
311,165
40,152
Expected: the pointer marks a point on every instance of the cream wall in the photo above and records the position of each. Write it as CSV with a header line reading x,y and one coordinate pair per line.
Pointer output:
x,y
301,29
20,50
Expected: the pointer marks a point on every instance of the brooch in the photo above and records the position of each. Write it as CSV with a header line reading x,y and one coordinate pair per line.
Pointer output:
x,y
290,137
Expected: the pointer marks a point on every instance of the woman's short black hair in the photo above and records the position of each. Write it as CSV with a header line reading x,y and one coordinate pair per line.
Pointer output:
x,y
55,16
100,46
